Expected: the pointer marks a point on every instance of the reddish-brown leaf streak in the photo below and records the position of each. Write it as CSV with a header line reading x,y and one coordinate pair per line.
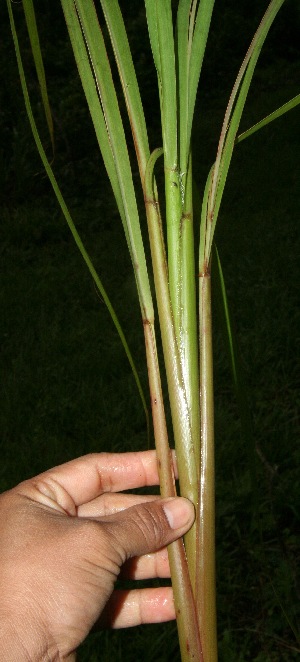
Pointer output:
x,y
151,201
206,271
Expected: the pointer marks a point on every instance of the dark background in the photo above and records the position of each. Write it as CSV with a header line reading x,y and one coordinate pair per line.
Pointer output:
x,y
66,387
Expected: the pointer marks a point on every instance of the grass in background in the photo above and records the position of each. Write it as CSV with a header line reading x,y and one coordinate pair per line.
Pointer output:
x,y
66,387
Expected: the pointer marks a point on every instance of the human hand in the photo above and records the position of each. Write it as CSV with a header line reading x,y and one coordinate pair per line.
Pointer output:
x,y
66,536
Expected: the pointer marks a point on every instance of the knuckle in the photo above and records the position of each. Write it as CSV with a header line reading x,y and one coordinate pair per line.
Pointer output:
x,y
152,526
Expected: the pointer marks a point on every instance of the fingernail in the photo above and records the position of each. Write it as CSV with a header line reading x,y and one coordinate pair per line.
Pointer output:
x,y
179,512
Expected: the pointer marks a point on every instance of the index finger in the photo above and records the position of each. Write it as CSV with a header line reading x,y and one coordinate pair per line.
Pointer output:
x,y
91,475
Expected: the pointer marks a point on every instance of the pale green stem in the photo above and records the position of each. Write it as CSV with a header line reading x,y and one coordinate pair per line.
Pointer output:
x,y
188,476
206,581
187,622
173,216
188,318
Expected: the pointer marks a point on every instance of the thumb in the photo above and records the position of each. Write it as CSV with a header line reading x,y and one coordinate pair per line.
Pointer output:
x,y
148,527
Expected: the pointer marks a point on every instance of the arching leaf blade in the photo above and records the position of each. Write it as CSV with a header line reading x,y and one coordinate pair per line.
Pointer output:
x,y
38,61
104,87
289,105
93,101
68,217
232,119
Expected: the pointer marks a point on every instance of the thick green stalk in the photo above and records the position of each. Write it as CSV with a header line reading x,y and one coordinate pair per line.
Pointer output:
x,y
183,573
188,476
188,333
134,107
181,364
192,25
187,622
169,121
206,580
174,211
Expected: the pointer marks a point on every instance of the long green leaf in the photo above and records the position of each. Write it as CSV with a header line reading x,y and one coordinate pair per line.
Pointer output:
x,y
192,27
199,41
270,118
119,40
167,82
38,61
151,15
104,90
185,14
66,212
160,25
93,101
233,116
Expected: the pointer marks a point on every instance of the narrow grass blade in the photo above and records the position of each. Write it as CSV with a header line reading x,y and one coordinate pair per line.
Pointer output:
x,y
160,26
88,82
232,119
270,118
167,82
205,220
67,215
104,90
192,27
119,40
185,15
151,14
198,45
38,61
